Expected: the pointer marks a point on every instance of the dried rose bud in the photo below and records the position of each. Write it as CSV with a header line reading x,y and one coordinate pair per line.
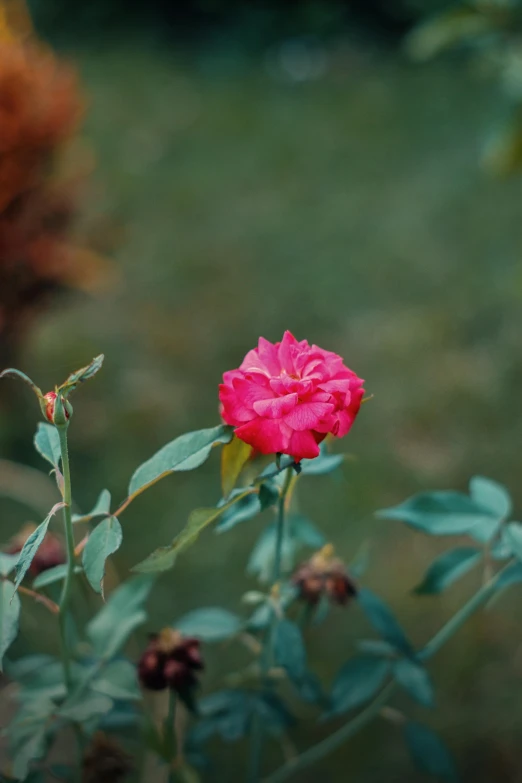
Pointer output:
x,y
105,761
50,552
170,661
151,672
325,575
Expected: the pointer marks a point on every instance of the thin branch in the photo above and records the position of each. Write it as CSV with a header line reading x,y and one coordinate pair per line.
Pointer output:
x,y
39,598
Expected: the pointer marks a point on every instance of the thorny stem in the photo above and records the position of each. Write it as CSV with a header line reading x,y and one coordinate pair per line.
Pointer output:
x,y
339,737
69,541
256,744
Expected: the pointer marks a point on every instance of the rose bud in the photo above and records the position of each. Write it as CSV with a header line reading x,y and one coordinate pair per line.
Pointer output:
x,y
50,552
105,761
56,410
48,406
286,397
324,575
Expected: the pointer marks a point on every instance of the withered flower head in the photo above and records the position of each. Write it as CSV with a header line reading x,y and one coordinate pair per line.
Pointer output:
x,y
50,552
324,574
170,661
105,761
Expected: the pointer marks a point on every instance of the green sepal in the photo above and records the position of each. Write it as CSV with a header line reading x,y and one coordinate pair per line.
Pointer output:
x,y
81,375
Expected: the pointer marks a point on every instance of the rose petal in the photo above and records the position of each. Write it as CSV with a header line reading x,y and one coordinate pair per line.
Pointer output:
x,y
233,410
249,392
253,363
268,355
266,435
277,407
303,446
308,415
335,385
288,351
346,417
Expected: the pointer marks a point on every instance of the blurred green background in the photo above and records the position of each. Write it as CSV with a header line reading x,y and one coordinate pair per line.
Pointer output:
x,y
272,169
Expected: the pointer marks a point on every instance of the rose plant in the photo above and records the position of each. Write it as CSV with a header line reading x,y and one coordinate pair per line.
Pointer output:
x,y
282,410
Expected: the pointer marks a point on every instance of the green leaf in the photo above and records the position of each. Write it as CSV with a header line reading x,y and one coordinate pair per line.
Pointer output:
x,y
226,713
7,563
104,540
186,452
415,680
82,375
47,443
101,508
246,508
383,620
46,682
445,513
88,706
429,752
234,456
9,616
309,688
513,537
52,575
117,619
11,372
261,560
31,750
229,714
447,568
501,548
119,681
289,649
262,616
164,557
273,712
123,715
32,545
27,666
268,495
491,495
122,632
305,532
210,624
324,463
377,647
357,681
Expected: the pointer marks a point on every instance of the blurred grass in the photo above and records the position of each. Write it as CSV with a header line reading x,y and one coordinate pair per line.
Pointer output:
x,y
349,209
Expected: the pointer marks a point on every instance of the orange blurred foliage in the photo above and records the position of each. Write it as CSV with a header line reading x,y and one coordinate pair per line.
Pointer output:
x,y
41,109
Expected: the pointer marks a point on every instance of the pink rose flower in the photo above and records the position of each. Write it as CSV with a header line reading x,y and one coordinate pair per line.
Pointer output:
x,y
286,397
